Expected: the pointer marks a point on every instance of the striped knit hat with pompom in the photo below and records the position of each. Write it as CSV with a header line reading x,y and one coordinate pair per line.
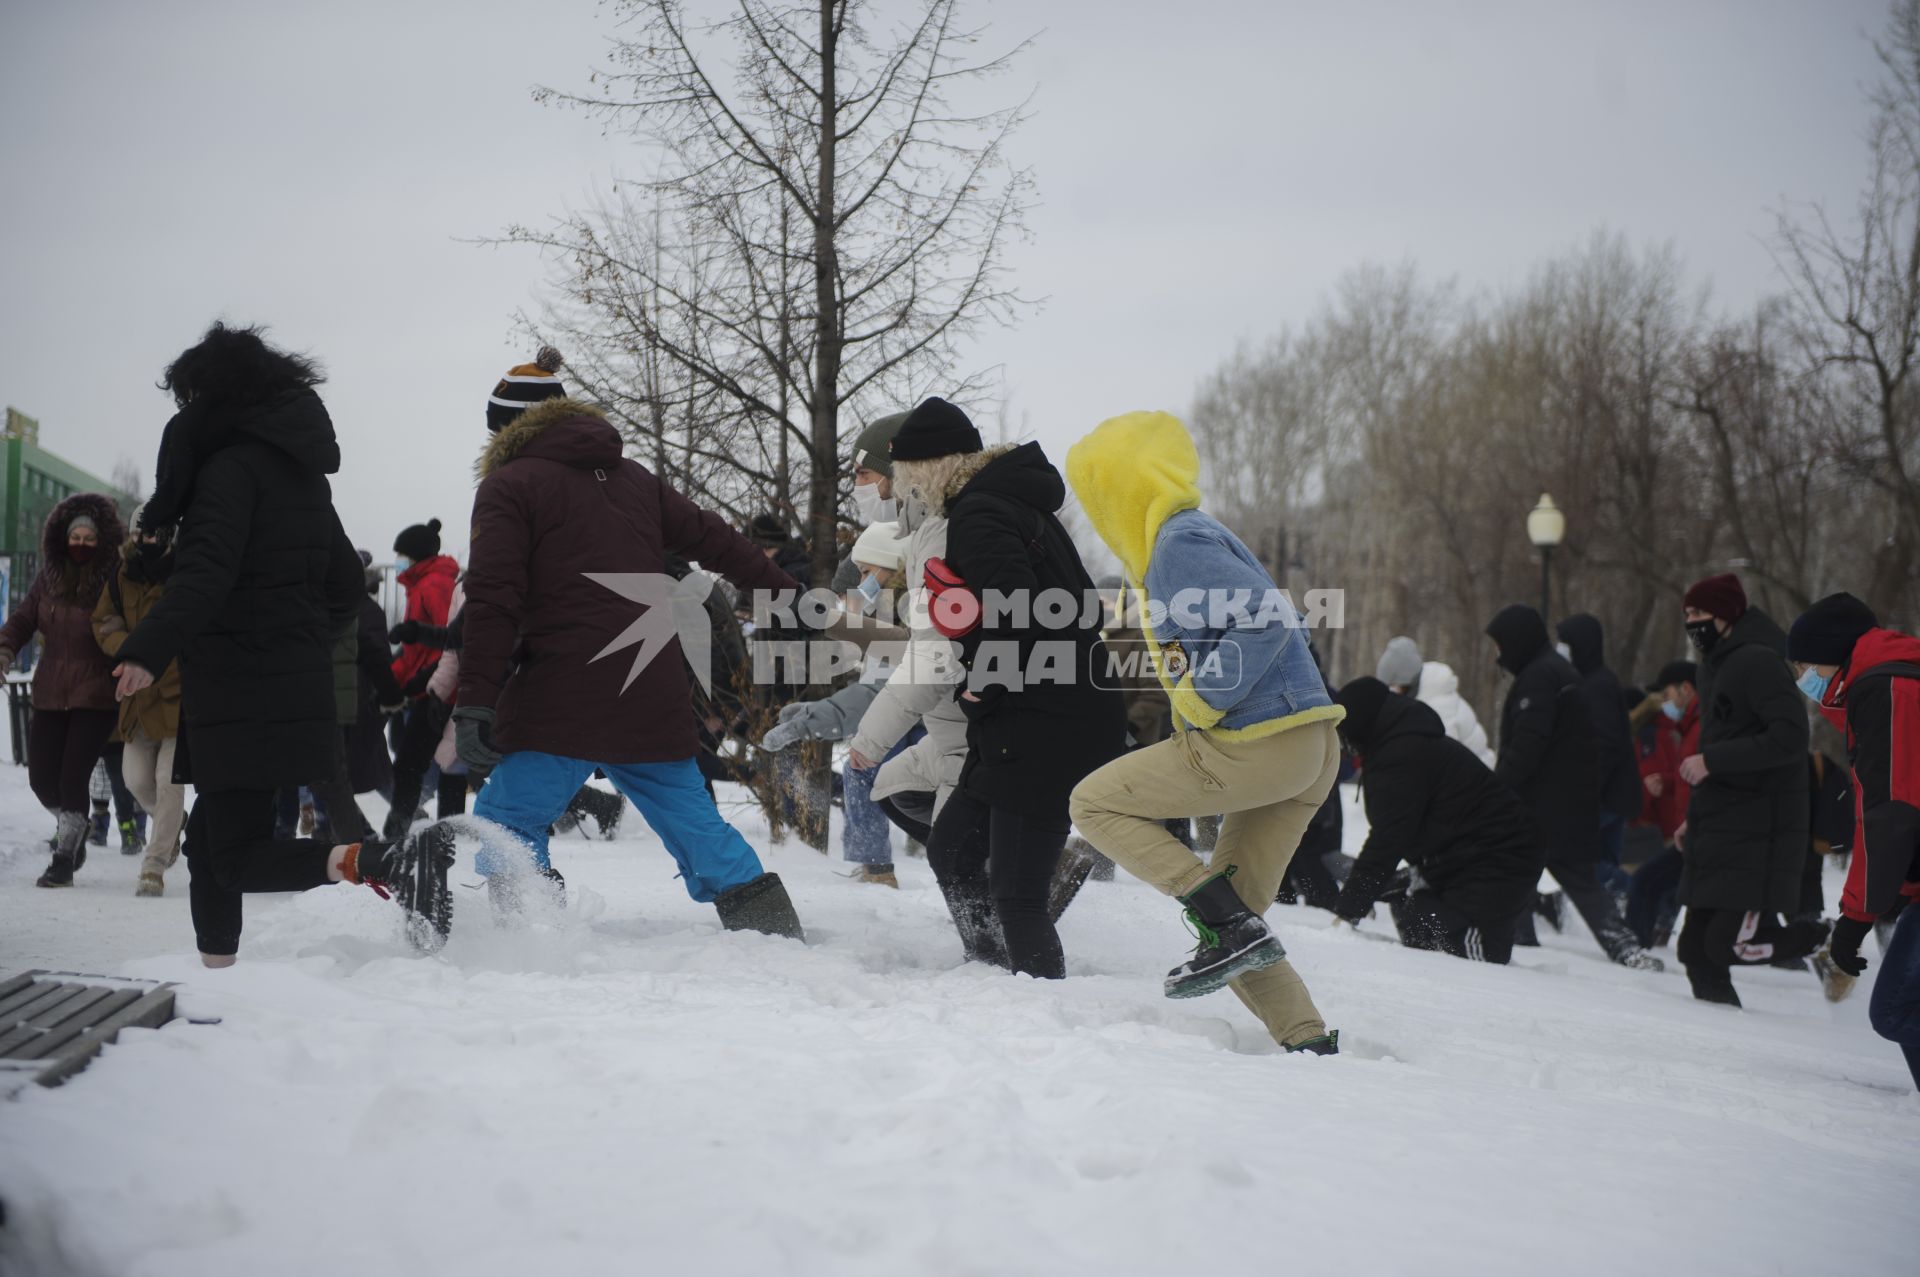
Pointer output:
x,y
524,386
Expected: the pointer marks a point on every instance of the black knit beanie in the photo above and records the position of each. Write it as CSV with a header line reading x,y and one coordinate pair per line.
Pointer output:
x,y
1674,672
1826,632
419,542
523,386
1362,699
766,531
935,429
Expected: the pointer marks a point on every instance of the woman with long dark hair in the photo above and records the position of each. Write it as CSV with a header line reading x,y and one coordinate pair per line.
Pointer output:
x,y
263,580
73,712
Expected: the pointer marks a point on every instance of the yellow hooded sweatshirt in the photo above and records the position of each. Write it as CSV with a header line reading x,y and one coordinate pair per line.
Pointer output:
x,y
1132,474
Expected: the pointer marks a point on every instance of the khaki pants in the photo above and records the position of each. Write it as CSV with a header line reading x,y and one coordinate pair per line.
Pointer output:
x,y
148,767
1266,790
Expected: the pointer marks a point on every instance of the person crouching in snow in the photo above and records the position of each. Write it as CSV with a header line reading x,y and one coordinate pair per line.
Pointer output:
x,y
567,576
1258,740
1433,803
1866,682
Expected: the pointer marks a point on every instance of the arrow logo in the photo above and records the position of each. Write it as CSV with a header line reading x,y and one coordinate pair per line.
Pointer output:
x,y
674,609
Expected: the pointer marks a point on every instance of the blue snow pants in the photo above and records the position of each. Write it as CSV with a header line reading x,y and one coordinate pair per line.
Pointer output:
x,y
528,790
1894,1010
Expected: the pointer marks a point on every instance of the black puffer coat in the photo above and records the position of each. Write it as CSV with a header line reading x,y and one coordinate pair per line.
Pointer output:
x,y
1546,739
1747,822
263,580
1619,761
1027,748
1432,803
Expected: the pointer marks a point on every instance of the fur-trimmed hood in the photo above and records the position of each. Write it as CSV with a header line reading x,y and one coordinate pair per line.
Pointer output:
x,y
70,579
566,430
1020,471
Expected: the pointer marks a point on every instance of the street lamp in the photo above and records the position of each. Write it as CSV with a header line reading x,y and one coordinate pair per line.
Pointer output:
x,y
1546,526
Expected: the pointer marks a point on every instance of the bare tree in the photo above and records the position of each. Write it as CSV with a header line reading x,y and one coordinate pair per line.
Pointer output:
x,y
826,225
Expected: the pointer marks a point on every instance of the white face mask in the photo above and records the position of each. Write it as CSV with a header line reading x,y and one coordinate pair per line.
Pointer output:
x,y
1566,653
868,505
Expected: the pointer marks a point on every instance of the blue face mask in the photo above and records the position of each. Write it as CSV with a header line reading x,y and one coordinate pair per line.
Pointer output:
x,y
1814,684
870,592
402,562
1672,711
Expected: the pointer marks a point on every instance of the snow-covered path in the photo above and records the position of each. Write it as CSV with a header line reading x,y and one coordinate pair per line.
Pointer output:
x,y
625,1089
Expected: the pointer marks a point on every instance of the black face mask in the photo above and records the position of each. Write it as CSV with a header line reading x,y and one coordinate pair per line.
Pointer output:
x,y
1703,634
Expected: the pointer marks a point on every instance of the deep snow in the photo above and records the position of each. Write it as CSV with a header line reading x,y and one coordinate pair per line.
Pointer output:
x,y
625,1089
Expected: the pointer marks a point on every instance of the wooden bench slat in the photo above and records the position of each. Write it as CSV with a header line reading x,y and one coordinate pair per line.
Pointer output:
x,y
32,991
52,1041
22,1020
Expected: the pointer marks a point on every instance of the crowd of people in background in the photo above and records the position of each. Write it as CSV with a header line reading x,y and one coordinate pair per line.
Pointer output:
x,y
232,640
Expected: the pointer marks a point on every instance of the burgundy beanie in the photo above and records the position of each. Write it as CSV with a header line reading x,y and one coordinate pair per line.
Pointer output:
x,y
1720,596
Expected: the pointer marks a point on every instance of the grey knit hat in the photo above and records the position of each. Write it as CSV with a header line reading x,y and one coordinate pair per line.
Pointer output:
x,y
1400,664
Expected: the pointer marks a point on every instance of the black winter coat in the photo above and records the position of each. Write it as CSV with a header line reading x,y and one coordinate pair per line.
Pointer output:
x,y
369,766
1029,742
1547,753
263,579
1615,755
1747,834
1432,803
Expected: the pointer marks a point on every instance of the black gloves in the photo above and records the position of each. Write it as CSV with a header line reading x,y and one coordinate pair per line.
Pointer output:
x,y
417,685
1844,948
473,739
405,632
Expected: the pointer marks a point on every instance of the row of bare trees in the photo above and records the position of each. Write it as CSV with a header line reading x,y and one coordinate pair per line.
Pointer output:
x,y
1394,445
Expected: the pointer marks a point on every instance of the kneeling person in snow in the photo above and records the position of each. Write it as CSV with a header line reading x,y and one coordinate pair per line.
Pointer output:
x,y
1259,741
567,568
1433,804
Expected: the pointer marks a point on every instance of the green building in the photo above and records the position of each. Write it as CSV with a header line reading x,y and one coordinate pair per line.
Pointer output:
x,y
32,482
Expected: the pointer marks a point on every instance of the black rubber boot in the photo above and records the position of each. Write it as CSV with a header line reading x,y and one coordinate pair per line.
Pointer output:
x,y
1326,1044
1233,939
1716,989
761,905
978,925
415,870
69,849
1077,860
1551,908
606,809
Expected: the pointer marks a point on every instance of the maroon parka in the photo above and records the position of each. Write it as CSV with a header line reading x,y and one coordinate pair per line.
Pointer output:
x,y
558,501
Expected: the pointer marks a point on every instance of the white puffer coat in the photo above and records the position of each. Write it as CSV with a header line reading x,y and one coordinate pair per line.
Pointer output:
x,y
1440,689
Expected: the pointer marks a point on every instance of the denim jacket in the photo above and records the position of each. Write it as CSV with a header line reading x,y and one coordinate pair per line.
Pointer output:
x,y
1241,667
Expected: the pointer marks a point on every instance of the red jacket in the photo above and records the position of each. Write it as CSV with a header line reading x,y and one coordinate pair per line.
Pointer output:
x,y
1875,701
1670,743
429,587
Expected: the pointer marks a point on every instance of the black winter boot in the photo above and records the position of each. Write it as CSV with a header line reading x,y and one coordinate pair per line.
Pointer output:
x,y
1551,907
414,870
977,922
1233,939
69,849
508,892
1326,1044
1714,987
606,809
761,905
1077,861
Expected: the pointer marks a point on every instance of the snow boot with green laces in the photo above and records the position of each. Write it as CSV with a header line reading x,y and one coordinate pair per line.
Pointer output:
x,y
1233,939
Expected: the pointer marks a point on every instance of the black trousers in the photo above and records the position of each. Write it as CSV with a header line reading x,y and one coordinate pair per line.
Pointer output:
x,y
345,821
1714,941
994,866
910,811
426,722
125,806
1426,920
230,851
1578,879
62,747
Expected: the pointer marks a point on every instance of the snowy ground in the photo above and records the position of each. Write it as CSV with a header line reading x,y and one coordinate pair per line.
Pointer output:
x,y
625,1089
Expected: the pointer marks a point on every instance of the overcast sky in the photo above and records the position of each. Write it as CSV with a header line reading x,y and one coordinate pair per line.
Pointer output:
x,y
1206,170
